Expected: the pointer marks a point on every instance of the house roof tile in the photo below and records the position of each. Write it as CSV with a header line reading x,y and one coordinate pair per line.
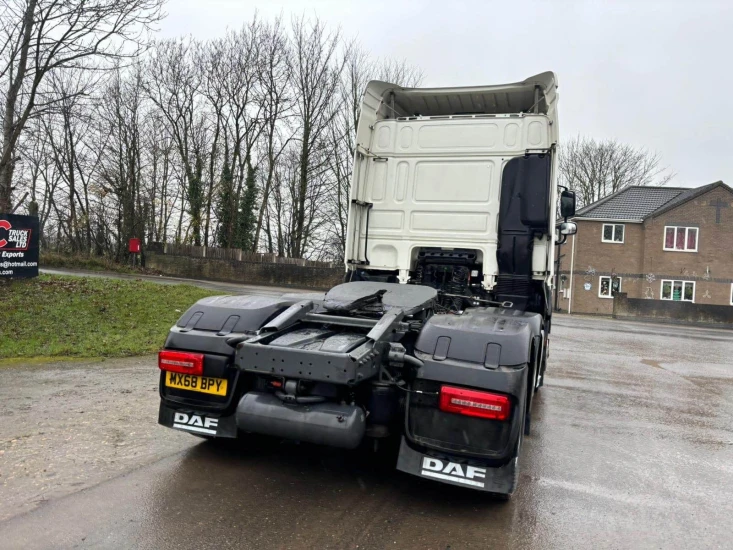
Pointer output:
x,y
635,203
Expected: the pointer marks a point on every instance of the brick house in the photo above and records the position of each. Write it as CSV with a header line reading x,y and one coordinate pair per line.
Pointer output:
x,y
659,243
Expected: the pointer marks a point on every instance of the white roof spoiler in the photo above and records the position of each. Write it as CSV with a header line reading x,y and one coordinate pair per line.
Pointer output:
x,y
534,95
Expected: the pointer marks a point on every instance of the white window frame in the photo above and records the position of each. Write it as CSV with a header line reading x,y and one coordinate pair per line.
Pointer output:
x,y
671,297
731,294
610,285
613,233
676,228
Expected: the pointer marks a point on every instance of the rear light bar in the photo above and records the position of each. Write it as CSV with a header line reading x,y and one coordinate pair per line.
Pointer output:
x,y
181,361
474,403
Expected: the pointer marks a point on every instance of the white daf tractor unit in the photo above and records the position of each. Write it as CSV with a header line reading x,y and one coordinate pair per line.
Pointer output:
x,y
437,340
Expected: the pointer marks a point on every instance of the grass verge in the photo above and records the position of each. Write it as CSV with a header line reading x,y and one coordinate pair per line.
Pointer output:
x,y
90,263
54,316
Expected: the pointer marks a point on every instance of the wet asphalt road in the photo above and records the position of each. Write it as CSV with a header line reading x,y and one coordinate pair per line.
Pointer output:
x,y
632,447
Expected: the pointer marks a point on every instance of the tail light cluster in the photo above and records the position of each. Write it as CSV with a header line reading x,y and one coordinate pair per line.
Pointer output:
x,y
474,403
181,361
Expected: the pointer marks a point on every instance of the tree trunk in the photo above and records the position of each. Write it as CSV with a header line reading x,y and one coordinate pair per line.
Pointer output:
x,y
11,127
298,237
6,177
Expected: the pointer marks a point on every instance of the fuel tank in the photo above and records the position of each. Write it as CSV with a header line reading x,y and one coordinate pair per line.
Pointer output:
x,y
333,424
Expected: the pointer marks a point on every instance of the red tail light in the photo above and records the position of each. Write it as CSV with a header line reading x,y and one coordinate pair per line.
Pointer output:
x,y
181,361
474,403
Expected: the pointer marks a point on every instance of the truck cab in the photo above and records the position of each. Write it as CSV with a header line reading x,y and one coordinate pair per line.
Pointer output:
x,y
463,175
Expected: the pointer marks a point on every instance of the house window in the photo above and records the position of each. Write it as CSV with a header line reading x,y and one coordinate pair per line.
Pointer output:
x,y
608,286
731,294
680,238
679,291
613,233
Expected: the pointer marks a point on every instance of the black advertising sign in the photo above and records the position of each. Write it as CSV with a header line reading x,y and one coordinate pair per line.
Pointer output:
x,y
18,246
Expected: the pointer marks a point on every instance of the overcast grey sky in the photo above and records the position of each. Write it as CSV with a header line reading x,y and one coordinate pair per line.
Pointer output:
x,y
656,74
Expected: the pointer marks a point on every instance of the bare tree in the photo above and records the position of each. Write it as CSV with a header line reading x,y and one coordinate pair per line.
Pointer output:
x,y
276,105
67,128
595,169
121,124
162,193
211,59
38,37
173,84
38,174
242,87
315,76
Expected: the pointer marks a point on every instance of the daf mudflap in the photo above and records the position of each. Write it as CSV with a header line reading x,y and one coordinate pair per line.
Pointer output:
x,y
461,471
198,423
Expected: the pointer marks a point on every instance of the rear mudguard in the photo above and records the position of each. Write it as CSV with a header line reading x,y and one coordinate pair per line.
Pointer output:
x,y
493,471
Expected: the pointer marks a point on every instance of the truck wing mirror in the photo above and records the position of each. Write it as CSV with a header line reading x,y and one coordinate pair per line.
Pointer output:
x,y
567,204
568,228
562,230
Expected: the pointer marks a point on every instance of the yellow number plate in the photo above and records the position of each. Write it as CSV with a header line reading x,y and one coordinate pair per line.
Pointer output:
x,y
203,384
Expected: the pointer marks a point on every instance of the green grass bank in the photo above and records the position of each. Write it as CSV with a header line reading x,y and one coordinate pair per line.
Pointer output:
x,y
55,316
